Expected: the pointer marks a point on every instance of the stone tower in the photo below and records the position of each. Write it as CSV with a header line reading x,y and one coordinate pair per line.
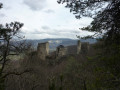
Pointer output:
x,y
43,50
78,47
61,51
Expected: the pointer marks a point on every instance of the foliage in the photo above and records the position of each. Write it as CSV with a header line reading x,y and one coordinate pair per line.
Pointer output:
x,y
107,73
53,83
7,33
106,22
1,5
74,75
83,7
105,25
1,83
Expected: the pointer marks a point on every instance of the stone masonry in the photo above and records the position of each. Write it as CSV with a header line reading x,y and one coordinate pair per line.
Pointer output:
x,y
43,50
78,47
60,51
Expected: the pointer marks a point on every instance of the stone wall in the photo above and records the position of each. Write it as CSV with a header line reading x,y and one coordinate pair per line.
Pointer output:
x,y
78,47
61,51
72,50
43,50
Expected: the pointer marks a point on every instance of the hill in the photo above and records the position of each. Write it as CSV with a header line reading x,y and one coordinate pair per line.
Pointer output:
x,y
59,41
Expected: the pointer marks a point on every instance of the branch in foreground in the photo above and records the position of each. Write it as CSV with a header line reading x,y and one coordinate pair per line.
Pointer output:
x,y
16,73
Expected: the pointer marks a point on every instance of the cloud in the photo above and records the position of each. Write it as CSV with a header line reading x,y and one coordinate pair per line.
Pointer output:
x,y
55,33
35,4
45,27
2,15
37,32
49,11
7,7
44,32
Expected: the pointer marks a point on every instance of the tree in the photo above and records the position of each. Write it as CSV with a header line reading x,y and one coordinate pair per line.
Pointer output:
x,y
7,33
106,24
106,20
1,5
83,7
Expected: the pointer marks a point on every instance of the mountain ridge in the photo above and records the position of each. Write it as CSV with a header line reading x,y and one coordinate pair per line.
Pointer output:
x,y
54,42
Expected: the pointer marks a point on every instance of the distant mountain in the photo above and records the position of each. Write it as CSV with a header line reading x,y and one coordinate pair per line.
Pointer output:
x,y
59,41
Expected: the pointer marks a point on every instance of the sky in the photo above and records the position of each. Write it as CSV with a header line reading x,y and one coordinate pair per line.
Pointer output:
x,y
43,19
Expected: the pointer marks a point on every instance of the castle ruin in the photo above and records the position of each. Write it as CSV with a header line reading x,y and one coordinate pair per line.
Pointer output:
x,y
43,50
60,51
74,49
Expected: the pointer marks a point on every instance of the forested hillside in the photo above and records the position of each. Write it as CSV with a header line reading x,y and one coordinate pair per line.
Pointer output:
x,y
27,65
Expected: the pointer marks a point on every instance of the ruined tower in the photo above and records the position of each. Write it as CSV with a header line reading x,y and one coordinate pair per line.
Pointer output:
x,y
43,50
61,51
78,47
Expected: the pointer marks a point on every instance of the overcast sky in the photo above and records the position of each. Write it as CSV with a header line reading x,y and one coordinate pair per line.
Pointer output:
x,y
43,19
